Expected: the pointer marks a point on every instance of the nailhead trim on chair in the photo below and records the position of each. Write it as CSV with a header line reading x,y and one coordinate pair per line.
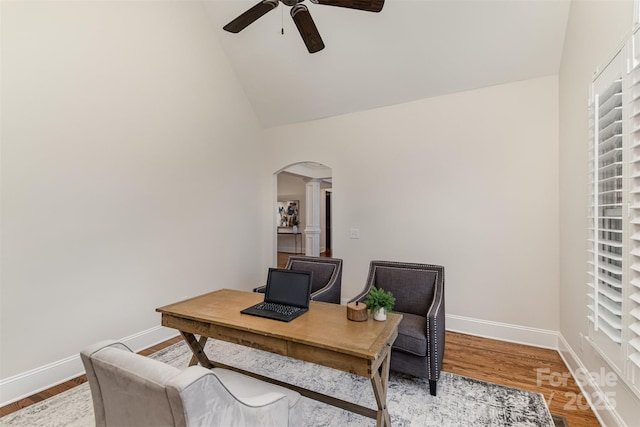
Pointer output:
x,y
437,300
435,327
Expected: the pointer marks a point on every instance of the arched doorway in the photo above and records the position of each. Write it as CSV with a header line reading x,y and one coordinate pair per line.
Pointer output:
x,y
302,217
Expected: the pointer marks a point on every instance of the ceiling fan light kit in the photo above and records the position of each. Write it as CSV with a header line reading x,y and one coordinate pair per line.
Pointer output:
x,y
301,17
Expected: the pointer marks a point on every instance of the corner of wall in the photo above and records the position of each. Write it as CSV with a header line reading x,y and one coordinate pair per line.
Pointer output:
x,y
595,396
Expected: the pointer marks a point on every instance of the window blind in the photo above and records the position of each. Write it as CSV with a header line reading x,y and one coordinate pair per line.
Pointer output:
x,y
633,297
613,292
605,295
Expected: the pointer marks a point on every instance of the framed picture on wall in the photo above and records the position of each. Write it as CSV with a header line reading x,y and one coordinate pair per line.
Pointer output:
x,y
287,213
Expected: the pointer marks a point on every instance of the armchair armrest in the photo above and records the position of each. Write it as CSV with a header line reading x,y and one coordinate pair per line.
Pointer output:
x,y
330,293
436,330
218,397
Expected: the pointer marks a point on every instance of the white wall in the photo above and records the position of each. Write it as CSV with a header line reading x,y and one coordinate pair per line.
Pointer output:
x,y
469,181
129,172
595,29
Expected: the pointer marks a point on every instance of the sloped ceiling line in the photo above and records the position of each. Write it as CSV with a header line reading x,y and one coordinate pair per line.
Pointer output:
x,y
412,49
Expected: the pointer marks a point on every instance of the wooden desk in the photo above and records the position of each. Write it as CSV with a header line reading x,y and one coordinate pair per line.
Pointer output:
x,y
323,335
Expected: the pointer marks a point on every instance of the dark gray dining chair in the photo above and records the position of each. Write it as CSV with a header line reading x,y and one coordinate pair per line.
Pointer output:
x,y
419,293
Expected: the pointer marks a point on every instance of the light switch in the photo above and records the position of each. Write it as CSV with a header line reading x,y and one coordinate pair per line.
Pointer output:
x,y
355,233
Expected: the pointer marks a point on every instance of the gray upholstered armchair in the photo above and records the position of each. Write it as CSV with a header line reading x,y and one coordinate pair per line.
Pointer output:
x,y
132,390
327,276
419,293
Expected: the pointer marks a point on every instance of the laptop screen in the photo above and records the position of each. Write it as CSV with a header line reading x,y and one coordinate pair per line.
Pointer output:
x,y
289,287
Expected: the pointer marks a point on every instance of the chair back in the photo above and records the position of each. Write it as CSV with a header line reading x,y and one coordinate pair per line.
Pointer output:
x,y
127,389
412,285
130,390
325,270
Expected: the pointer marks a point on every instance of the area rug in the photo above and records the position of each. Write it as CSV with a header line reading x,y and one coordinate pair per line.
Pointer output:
x,y
460,401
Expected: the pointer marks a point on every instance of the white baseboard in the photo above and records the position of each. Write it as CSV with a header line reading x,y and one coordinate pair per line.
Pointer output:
x,y
33,381
503,331
604,411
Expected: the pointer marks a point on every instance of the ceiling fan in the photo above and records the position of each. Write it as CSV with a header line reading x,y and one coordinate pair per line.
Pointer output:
x,y
301,17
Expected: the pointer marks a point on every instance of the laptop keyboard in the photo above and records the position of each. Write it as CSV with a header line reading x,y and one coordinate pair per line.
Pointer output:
x,y
286,310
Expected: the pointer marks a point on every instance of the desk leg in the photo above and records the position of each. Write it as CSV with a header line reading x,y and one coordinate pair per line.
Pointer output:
x,y
202,341
379,383
197,349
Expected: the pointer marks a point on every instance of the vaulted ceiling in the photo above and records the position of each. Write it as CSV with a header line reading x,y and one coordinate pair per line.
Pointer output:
x,y
412,49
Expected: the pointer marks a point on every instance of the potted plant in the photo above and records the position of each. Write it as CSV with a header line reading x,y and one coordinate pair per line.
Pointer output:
x,y
380,302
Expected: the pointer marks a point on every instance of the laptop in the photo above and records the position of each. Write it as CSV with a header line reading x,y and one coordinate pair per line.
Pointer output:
x,y
286,297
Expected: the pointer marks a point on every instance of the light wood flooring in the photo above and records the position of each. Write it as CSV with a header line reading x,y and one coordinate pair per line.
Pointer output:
x,y
519,366
499,362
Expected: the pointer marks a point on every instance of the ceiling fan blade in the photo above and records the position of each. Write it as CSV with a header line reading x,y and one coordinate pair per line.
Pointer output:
x,y
368,5
250,16
307,28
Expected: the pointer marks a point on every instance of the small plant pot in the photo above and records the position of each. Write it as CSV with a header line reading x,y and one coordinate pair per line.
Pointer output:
x,y
380,315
